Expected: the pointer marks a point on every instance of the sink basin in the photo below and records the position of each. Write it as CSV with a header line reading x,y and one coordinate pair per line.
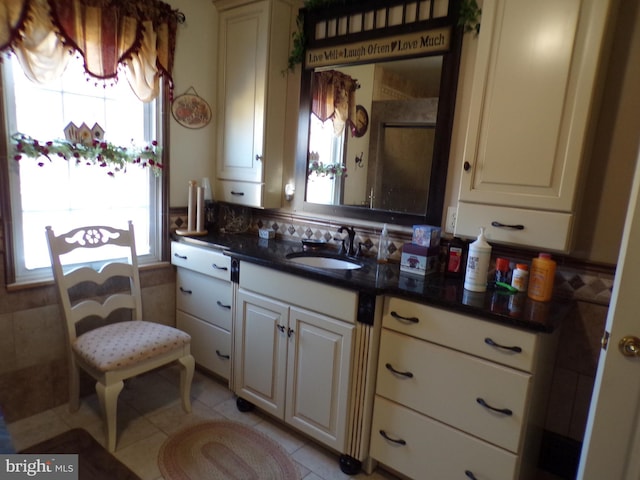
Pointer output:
x,y
323,260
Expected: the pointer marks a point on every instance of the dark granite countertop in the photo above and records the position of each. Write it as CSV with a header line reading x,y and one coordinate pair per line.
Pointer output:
x,y
386,279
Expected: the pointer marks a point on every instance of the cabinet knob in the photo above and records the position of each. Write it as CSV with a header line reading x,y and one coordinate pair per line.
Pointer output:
x,y
470,475
258,158
466,166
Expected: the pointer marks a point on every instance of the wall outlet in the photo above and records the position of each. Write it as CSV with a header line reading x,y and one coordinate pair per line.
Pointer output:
x,y
450,224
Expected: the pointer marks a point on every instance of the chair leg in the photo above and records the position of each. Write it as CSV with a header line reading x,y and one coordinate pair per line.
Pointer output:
x,y
74,387
187,365
108,396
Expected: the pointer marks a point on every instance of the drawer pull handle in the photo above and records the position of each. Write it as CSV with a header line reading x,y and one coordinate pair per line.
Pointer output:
x,y
397,372
489,341
290,332
226,357
183,290
470,475
504,411
399,441
397,316
238,194
504,225
222,305
219,268
182,257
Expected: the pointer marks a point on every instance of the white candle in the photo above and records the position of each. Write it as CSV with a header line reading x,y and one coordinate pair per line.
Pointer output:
x,y
191,209
200,209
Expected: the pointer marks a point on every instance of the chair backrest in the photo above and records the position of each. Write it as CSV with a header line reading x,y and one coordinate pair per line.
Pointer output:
x,y
67,278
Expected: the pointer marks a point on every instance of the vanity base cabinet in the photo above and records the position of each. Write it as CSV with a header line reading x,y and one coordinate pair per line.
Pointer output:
x,y
458,396
204,301
291,362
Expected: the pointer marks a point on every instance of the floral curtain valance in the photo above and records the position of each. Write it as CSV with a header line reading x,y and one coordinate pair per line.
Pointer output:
x,y
139,35
333,96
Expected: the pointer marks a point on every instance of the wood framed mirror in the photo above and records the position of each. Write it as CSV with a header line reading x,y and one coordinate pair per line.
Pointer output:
x,y
398,62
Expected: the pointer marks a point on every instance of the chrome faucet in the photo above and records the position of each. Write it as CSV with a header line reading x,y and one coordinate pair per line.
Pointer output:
x,y
349,248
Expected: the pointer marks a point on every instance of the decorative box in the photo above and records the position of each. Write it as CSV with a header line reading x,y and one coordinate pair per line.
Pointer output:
x,y
426,235
419,260
266,233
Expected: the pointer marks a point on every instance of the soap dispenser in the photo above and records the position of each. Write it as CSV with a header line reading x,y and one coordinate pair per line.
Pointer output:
x,y
478,260
383,245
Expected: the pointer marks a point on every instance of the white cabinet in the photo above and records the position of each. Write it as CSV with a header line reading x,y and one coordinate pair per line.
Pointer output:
x,y
253,50
469,388
204,302
534,91
290,361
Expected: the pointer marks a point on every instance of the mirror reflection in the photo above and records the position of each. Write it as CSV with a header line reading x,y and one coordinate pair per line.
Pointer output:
x,y
371,140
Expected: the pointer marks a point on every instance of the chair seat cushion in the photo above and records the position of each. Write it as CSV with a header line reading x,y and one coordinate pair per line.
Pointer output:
x,y
123,344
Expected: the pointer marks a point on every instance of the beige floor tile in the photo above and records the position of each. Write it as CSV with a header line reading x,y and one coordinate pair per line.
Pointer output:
x,y
319,461
173,419
284,436
228,409
142,456
35,429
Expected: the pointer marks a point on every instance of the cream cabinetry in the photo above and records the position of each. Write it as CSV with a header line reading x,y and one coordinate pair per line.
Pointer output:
x,y
291,361
253,47
534,91
471,389
204,301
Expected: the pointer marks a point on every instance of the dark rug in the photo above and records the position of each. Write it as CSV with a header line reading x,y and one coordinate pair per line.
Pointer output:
x,y
94,461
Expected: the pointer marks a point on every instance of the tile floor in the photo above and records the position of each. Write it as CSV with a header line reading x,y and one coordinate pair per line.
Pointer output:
x,y
149,410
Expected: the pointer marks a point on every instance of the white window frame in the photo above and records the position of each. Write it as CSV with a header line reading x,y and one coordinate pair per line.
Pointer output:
x,y
153,130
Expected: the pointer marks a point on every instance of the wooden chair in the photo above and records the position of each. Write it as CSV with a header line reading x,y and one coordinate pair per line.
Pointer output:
x,y
119,350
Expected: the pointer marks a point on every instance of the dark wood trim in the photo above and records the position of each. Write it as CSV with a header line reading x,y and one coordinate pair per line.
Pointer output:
x,y
5,196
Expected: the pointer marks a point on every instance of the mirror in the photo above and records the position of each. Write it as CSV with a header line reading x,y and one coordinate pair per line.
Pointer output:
x,y
389,162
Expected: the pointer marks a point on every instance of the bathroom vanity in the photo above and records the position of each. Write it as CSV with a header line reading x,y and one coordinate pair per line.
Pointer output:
x,y
373,363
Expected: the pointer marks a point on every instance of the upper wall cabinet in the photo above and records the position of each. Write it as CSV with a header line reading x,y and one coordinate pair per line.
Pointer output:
x,y
253,48
534,90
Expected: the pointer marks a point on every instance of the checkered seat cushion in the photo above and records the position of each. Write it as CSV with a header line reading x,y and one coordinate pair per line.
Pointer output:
x,y
124,344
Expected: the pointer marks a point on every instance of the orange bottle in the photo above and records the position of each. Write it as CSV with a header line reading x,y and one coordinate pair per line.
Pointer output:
x,y
541,277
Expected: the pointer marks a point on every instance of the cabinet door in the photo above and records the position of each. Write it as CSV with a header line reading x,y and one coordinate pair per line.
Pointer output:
x,y
260,336
533,91
243,54
318,376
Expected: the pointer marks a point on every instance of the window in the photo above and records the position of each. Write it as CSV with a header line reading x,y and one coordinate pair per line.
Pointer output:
x,y
67,195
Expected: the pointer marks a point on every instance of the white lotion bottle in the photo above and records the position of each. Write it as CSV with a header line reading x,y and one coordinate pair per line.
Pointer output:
x,y
383,245
475,279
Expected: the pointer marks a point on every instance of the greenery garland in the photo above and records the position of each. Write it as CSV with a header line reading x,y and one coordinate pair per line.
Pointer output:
x,y
330,170
99,152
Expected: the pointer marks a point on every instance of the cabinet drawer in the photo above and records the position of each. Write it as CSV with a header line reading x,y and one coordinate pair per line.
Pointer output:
x,y
210,345
210,262
209,299
433,451
542,229
464,333
241,193
451,387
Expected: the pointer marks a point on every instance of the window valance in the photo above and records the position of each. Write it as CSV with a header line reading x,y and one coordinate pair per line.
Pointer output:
x,y
137,35
333,96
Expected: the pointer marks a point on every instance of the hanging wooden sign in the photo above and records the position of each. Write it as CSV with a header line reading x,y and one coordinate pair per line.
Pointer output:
x,y
432,41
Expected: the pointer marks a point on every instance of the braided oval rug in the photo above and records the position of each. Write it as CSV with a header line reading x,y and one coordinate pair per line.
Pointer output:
x,y
224,450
